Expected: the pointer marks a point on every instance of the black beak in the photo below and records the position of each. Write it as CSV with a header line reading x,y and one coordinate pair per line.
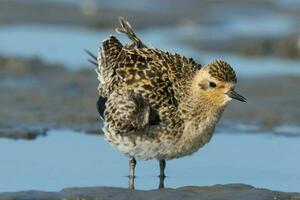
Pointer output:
x,y
233,94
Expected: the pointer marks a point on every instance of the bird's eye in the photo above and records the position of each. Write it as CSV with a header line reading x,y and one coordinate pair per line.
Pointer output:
x,y
212,84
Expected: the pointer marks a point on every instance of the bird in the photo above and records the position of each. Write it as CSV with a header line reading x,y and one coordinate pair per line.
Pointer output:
x,y
157,104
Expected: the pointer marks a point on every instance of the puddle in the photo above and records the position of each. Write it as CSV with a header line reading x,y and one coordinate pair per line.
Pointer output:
x,y
68,159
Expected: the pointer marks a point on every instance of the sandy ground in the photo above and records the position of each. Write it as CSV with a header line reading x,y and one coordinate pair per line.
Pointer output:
x,y
222,192
37,97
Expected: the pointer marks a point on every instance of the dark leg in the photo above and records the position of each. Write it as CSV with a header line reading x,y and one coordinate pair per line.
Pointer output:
x,y
132,163
162,166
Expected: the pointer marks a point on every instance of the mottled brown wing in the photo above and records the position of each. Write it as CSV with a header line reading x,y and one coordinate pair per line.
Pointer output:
x,y
159,77
140,85
164,70
181,71
141,72
126,111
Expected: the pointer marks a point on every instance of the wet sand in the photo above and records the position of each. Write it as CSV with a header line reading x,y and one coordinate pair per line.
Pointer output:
x,y
41,96
224,192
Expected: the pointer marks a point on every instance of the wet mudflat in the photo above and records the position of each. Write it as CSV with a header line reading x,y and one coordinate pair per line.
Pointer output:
x,y
224,192
48,95
47,72
36,90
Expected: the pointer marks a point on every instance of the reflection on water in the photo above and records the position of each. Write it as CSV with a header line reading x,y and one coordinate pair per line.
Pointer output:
x,y
68,159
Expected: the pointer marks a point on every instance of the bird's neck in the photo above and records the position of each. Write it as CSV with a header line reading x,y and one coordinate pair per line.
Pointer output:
x,y
200,117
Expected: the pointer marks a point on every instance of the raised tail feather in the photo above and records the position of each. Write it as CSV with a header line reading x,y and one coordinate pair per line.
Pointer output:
x,y
127,29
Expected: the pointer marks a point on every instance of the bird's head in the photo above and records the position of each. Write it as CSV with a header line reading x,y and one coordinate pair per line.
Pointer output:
x,y
215,83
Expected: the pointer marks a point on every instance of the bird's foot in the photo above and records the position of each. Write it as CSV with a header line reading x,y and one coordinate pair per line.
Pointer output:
x,y
161,181
131,182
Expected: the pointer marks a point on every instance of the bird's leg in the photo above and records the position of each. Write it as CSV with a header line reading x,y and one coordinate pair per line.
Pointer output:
x,y
162,166
132,163
161,183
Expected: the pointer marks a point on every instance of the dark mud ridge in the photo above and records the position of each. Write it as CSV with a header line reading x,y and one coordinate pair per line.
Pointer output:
x,y
220,192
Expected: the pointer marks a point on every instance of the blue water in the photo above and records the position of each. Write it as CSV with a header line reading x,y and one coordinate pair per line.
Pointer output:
x,y
65,45
69,159
55,44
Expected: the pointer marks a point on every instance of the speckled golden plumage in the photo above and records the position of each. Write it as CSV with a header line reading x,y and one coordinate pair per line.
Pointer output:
x,y
157,104
161,78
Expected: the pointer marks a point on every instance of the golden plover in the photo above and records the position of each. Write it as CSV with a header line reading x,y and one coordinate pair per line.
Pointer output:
x,y
156,104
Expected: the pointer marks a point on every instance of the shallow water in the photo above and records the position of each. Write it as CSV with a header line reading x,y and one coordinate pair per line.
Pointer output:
x,y
65,45
61,44
68,159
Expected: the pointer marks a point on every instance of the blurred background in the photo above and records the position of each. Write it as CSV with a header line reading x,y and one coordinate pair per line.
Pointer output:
x,y
48,91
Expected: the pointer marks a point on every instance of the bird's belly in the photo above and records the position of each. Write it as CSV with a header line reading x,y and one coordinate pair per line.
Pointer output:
x,y
151,148
138,147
